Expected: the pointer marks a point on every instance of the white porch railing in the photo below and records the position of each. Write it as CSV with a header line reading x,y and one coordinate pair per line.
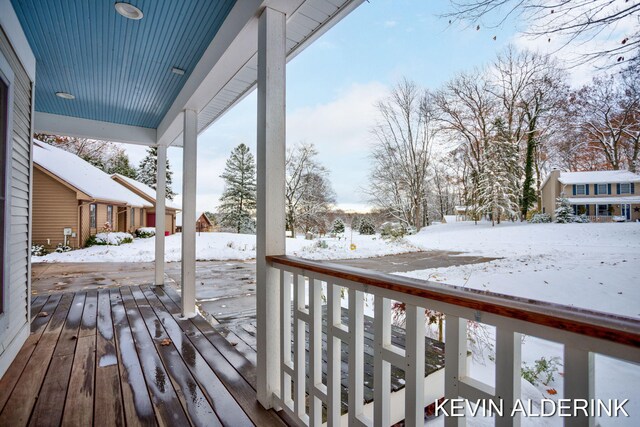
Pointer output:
x,y
303,393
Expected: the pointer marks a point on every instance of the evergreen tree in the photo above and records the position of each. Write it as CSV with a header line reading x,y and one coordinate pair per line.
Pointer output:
x,y
120,164
367,227
564,211
238,200
338,226
148,170
499,181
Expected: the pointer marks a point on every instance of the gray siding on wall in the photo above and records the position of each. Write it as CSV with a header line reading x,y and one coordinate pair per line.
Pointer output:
x,y
16,316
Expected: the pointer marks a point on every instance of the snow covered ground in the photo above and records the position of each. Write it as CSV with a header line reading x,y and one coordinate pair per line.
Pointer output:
x,y
230,246
595,266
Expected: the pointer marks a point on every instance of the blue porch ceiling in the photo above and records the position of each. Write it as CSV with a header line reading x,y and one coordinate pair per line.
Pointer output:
x,y
119,70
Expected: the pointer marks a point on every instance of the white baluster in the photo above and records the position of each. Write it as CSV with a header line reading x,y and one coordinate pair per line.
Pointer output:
x,y
578,382
334,361
455,357
414,373
315,351
356,354
381,368
508,373
285,342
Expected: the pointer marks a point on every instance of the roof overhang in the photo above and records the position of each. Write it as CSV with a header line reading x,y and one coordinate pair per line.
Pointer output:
x,y
225,73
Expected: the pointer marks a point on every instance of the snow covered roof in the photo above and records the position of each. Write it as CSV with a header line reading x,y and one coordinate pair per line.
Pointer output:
x,y
598,177
83,176
179,218
144,189
604,200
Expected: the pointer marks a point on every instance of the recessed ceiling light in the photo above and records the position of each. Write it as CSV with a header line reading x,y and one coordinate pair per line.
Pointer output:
x,y
178,71
128,10
65,95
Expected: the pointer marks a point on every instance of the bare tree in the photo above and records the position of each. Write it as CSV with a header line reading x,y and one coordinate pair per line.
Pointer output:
x,y
308,192
607,113
404,135
574,20
468,108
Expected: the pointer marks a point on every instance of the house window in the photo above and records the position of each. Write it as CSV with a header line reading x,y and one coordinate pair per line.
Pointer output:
x,y
625,188
4,171
603,210
603,189
133,217
581,189
92,215
141,218
110,216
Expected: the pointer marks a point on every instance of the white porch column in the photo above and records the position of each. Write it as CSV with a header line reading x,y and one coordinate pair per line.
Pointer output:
x,y
189,161
161,179
271,204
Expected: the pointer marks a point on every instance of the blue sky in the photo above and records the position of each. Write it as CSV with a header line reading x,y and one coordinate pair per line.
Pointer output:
x,y
333,85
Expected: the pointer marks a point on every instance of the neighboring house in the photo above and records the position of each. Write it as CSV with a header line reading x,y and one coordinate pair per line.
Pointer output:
x,y
149,194
601,195
73,200
203,223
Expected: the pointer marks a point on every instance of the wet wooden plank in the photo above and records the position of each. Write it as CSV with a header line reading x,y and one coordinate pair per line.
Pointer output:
x,y
36,305
194,400
108,408
38,325
223,368
51,400
78,408
242,347
138,409
241,364
166,404
89,315
17,408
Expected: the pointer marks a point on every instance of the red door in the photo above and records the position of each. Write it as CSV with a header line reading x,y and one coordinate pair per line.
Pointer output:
x,y
151,219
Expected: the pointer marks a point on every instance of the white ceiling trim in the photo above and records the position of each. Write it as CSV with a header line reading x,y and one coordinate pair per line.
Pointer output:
x,y
93,129
225,76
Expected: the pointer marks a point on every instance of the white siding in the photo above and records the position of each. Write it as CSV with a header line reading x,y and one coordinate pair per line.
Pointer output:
x,y
14,320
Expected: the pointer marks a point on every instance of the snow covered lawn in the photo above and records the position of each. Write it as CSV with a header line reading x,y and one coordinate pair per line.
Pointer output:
x,y
230,246
594,266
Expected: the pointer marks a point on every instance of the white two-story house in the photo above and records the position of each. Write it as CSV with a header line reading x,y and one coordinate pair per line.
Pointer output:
x,y
601,195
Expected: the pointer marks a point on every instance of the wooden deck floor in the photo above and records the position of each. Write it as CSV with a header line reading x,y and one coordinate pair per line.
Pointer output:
x,y
124,357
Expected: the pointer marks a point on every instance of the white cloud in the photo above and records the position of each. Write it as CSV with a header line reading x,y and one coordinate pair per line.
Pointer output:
x,y
390,24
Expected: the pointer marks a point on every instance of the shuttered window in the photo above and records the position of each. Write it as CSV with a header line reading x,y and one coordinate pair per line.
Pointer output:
x,y
602,189
581,189
133,217
625,188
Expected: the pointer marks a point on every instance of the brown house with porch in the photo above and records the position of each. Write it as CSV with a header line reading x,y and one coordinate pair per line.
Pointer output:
x,y
73,200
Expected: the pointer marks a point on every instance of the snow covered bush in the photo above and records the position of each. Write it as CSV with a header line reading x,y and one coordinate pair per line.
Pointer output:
x,y
322,244
367,227
564,211
394,230
145,232
113,239
355,222
540,218
338,226
38,250
581,219
62,248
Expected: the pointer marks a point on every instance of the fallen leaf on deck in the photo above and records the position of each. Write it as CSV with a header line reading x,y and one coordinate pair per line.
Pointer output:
x,y
43,314
552,391
165,342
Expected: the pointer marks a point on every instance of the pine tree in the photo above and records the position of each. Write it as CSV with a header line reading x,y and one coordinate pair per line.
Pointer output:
x,y
338,226
564,211
499,186
120,164
238,200
367,227
148,170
